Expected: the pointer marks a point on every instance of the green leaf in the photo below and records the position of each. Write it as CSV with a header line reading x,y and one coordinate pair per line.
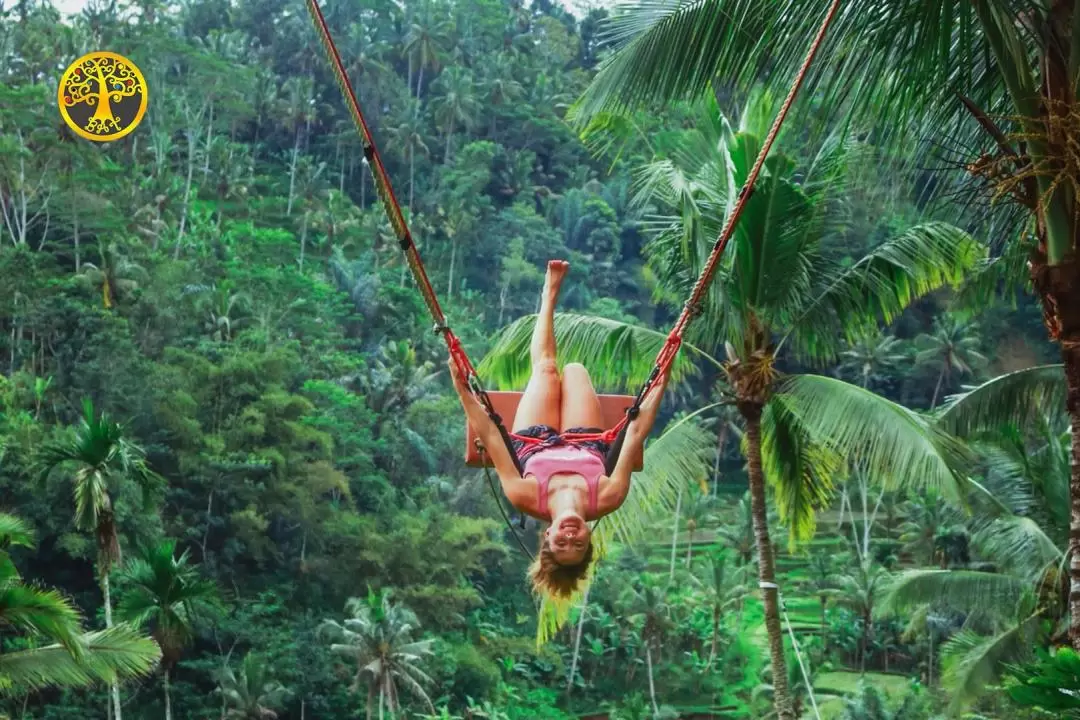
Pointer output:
x,y
799,470
1019,398
618,355
960,590
895,445
882,285
973,664
115,654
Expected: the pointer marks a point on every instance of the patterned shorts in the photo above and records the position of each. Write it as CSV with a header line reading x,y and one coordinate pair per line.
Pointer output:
x,y
549,437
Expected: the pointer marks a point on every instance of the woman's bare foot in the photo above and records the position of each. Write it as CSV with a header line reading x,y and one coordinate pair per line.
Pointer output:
x,y
556,271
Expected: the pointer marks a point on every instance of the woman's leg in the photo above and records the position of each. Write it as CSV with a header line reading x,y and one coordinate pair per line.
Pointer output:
x,y
580,403
540,401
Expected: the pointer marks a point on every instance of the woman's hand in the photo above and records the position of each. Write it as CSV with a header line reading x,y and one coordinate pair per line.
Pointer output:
x,y
460,385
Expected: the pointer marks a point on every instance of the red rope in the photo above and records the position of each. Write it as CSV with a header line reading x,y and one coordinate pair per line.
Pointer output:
x,y
666,357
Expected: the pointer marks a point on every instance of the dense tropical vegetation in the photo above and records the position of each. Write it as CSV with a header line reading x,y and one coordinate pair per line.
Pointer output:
x,y
231,476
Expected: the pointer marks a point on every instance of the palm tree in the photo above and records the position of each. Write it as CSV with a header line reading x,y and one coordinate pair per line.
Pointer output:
x,y
646,605
1020,523
253,694
698,511
298,111
377,637
102,458
870,356
951,347
926,516
800,686
860,589
903,67
737,532
407,134
69,658
499,87
869,704
776,289
723,586
822,583
456,104
114,273
427,39
166,592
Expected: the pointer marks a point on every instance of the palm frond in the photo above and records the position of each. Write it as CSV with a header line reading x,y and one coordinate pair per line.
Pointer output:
x,y
960,590
799,470
108,655
618,355
881,285
972,663
1019,398
673,49
680,457
45,612
1021,545
890,442
14,531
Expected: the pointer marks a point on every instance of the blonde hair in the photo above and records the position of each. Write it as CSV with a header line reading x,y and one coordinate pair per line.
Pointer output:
x,y
549,577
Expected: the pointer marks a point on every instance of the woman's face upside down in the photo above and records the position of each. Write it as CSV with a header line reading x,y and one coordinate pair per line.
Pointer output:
x,y
568,537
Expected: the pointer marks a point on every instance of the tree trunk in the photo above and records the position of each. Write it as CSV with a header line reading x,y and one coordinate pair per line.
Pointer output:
x,y
292,172
766,567
937,388
75,212
675,535
864,642
412,174
419,85
114,688
1071,356
824,628
209,141
303,239
689,548
577,639
652,685
187,193
449,137
453,260
168,700
715,633
930,668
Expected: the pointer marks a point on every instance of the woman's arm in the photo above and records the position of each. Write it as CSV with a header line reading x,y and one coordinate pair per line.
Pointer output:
x,y
618,485
490,436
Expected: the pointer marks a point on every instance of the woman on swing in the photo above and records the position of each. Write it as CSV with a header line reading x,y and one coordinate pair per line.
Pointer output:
x,y
564,481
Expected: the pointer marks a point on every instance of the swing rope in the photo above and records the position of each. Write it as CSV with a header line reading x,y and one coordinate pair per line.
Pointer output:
x,y
615,436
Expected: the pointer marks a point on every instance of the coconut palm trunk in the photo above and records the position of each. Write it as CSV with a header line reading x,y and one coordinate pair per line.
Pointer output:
x,y
675,535
114,688
1072,387
824,626
652,684
715,633
577,640
168,699
770,595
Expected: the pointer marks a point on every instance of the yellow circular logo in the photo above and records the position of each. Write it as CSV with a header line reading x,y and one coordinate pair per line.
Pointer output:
x,y
102,96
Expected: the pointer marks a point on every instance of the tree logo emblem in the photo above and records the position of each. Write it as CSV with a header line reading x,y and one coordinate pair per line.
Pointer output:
x,y
102,96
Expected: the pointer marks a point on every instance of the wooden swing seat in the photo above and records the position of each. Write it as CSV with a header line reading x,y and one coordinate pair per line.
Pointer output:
x,y
613,408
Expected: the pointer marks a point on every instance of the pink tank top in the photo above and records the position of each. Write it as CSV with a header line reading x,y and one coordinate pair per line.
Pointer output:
x,y
565,459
